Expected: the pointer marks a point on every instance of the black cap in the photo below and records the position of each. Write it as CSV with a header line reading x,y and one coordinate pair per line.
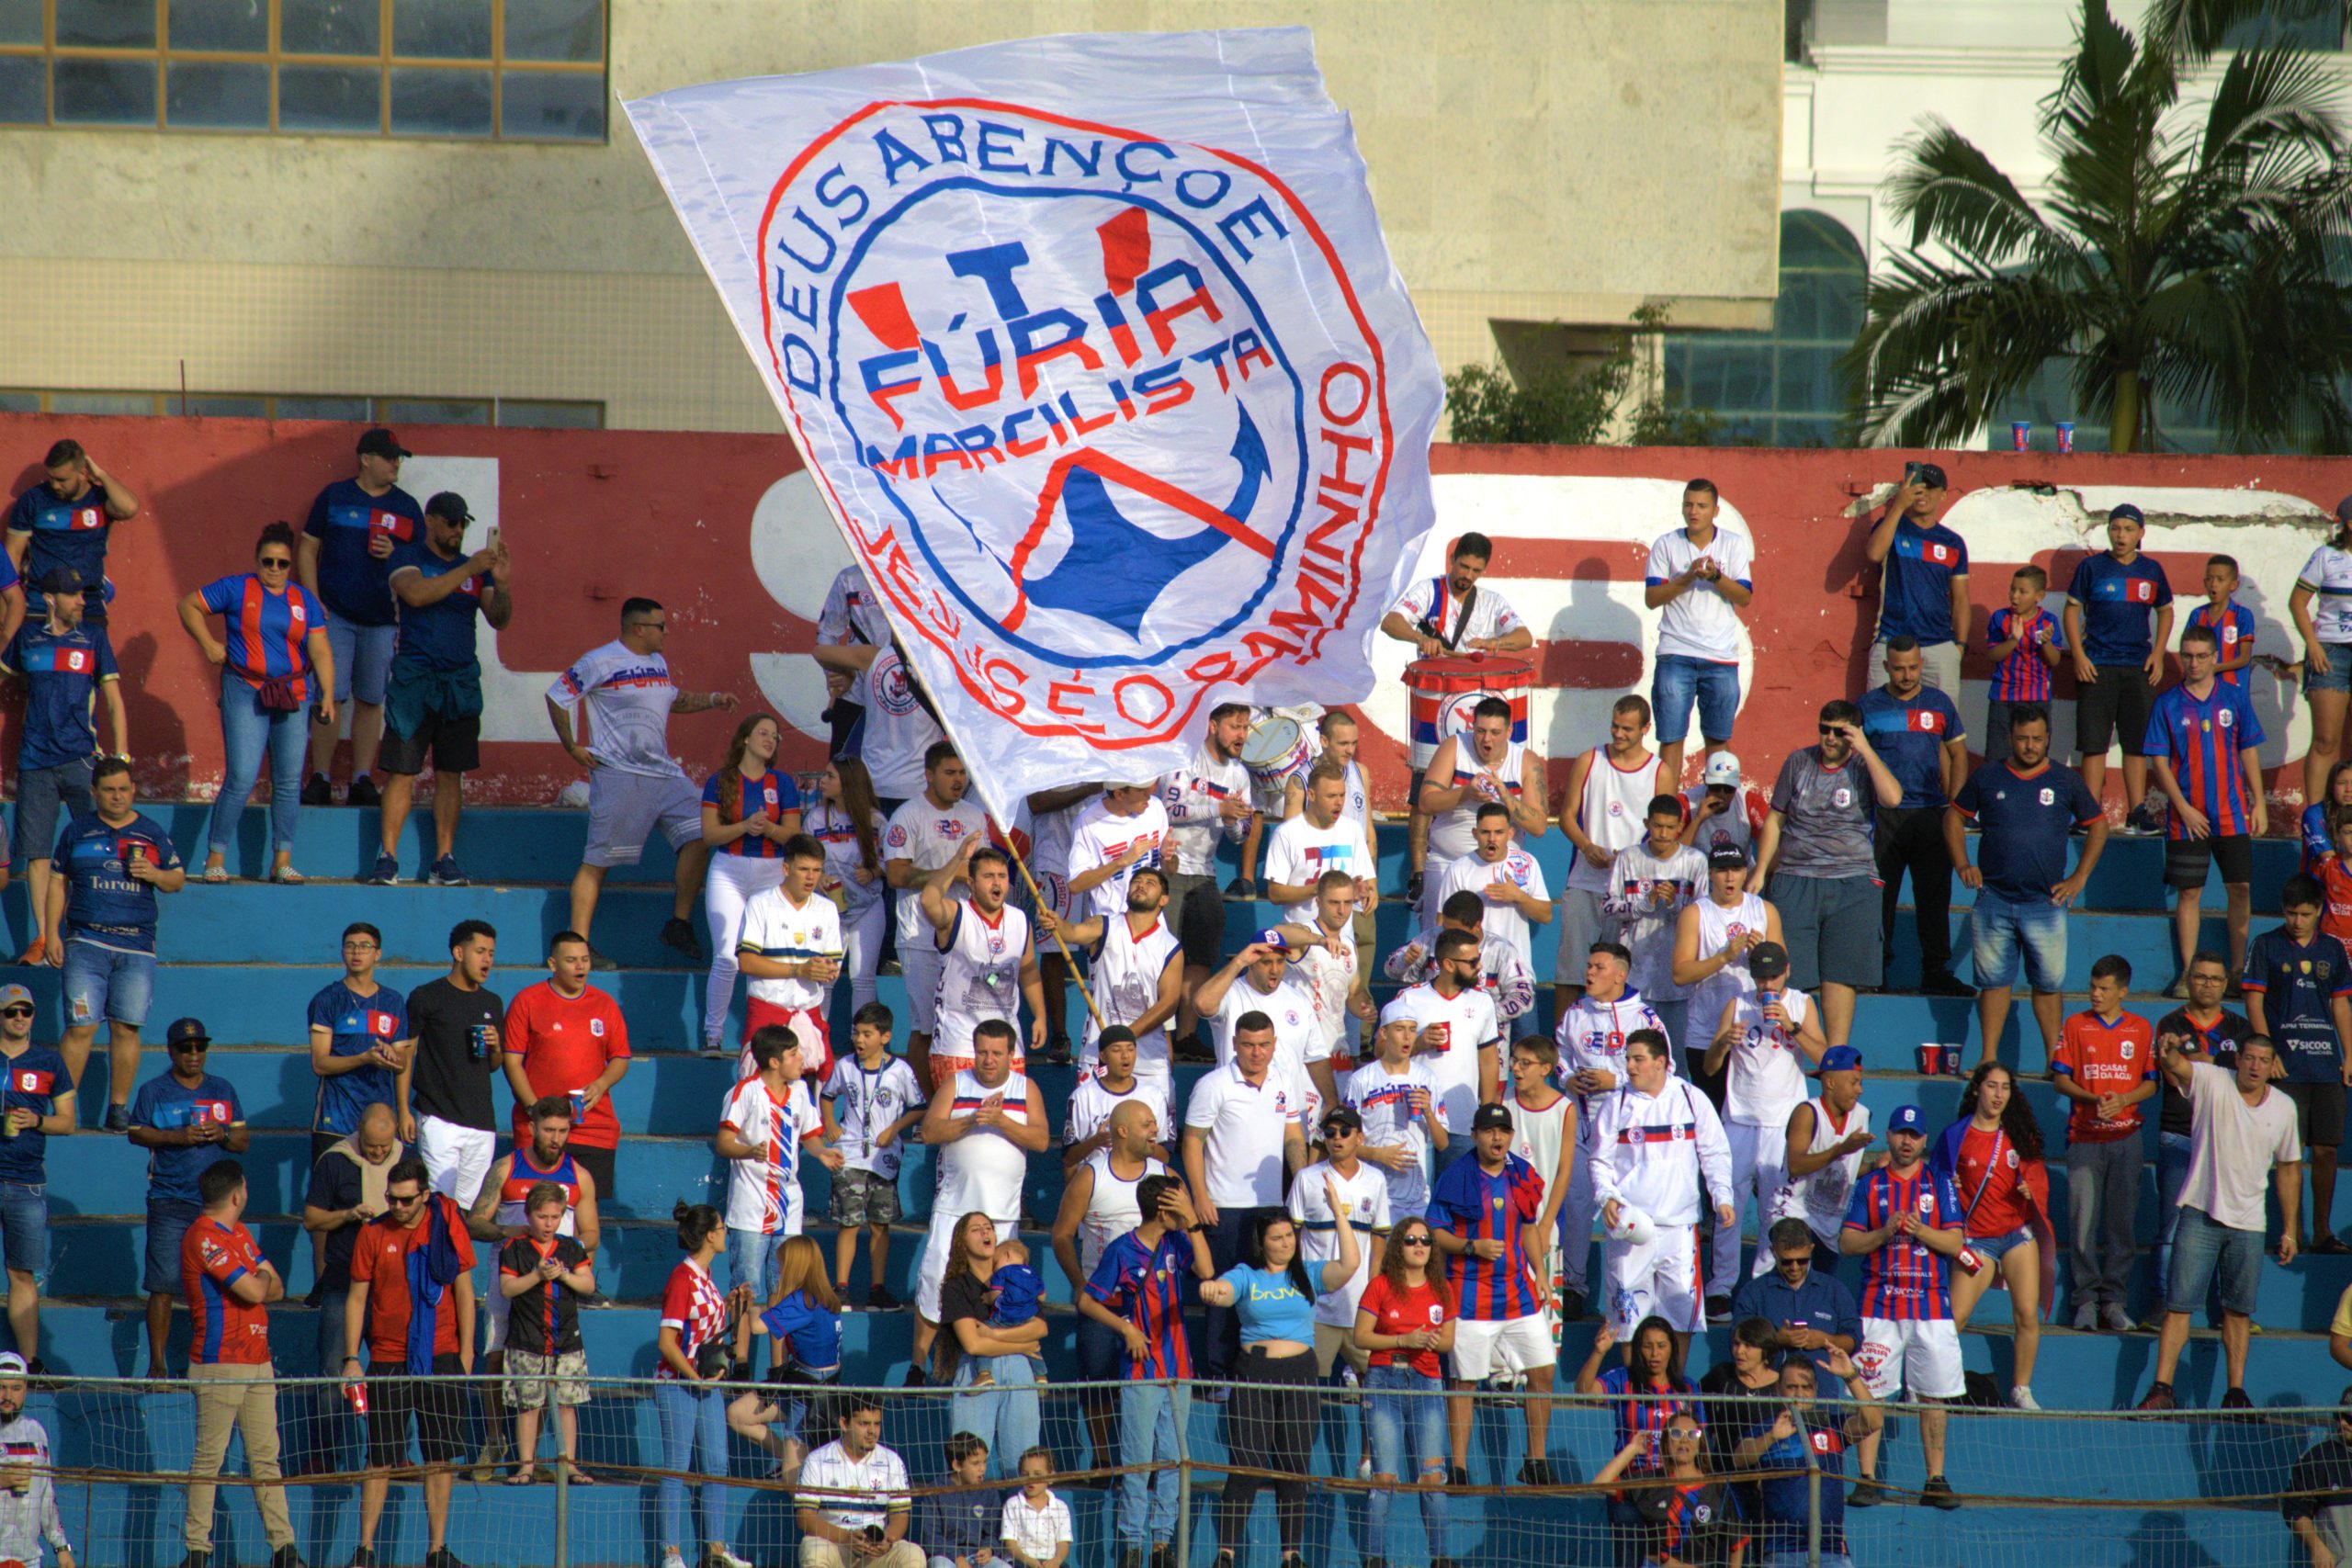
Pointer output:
x,y
449,506
1345,1116
61,580
1727,857
1490,1116
185,1032
2124,510
1767,959
1932,475
382,443
1115,1033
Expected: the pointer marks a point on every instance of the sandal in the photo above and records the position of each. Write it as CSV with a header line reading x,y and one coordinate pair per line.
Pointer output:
x,y
523,1475
216,873
579,1477
286,874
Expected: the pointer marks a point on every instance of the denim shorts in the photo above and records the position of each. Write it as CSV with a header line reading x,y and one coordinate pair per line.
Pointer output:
x,y
2339,669
1678,680
1993,1248
167,1223
24,1229
2001,933
2202,1246
363,658
43,795
106,983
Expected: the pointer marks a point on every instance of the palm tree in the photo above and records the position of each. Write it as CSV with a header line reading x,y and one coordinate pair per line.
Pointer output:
x,y
2193,261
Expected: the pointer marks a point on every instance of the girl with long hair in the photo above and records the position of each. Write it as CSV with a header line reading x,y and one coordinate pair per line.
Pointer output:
x,y
2316,826
1685,1516
996,1384
1407,1320
749,809
1993,1153
687,1396
847,821
2326,629
803,1321
1648,1391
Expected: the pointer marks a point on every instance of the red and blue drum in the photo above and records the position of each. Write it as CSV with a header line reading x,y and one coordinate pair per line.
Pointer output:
x,y
1441,692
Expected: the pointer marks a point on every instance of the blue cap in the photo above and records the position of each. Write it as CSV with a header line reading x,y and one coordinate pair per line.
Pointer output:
x,y
1839,1059
2125,509
1272,937
1906,1119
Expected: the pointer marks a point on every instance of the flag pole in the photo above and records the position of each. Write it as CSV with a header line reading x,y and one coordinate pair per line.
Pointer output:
x,y
1069,958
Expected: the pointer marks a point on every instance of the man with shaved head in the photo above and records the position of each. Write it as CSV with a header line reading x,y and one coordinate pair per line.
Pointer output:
x,y
346,1192
1099,1205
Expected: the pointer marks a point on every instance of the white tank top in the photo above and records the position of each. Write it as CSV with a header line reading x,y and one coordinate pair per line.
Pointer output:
x,y
1820,1199
1535,1135
1610,812
1766,1075
979,977
1450,834
1717,926
1126,976
1112,1212
984,1172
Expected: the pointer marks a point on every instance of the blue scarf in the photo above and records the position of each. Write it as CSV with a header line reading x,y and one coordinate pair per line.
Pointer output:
x,y
431,1268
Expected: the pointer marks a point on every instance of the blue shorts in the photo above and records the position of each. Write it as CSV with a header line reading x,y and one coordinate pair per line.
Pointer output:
x,y
2002,933
1677,682
363,658
106,983
2201,1247
167,1223
2339,669
24,1229
1993,1248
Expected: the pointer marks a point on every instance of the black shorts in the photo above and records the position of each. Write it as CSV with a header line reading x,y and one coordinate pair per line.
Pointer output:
x,y
2184,860
597,1163
2319,1112
2120,699
1198,919
438,1403
454,745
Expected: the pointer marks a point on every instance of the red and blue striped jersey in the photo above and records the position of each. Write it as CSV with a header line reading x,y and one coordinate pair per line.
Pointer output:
x,y
1479,1207
1648,1408
1905,1282
1146,1286
222,1329
2201,736
2023,676
2232,630
769,795
266,630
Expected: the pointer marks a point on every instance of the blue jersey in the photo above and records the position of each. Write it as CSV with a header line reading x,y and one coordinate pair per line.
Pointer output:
x,y
63,532
2232,630
2116,602
2201,737
1478,1207
1647,1408
344,518
62,671
1787,1499
1910,737
357,1025
1906,1281
268,633
2025,819
166,1104
1146,1286
438,635
2299,983
1915,585
34,1081
104,906
772,796
813,1333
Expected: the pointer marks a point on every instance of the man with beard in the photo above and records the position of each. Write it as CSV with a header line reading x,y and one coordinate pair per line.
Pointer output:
x,y
1138,972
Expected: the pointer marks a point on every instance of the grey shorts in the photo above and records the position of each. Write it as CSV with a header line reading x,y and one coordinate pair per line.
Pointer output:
x,y
43,795
862,1198
1579,915
623,808
532,1381
1830,926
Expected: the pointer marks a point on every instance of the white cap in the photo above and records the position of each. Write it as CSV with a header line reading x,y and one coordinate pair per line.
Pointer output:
x,y
1634,1226
1723,768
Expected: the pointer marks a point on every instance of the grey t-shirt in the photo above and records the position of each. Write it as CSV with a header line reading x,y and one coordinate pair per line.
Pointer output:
x,y
1826,812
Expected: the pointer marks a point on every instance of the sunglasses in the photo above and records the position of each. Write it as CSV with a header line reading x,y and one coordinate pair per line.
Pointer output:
x,y
1415,1241
17,1011
276,563
398,1201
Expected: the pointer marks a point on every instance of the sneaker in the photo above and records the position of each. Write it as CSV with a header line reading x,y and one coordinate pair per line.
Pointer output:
x,y
1363,1469
1056,1051
1413,884
718,1556
1572,1306
1536,1473
286,1557
597,960
1241,888
1867,1493
37,954
196,1560
2021,1398
2235,1399
1718,1308
446,872
1192,1048
1457,1475
916,1377
2148,822
2233,992
679,937
1937,1493
1163,1554
2158,1397
716,1051
386,872
670,1558
879,1298
318,790
2114,1319
1944,983
363,792
493,1454
1219,1394
2087,1317
2178,989
363,1557
118,1118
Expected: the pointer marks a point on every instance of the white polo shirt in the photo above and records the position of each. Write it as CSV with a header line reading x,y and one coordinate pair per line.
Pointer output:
x,y
1297,1039
853,1494
1365,1196
1453,1072
1241,1126
1700,622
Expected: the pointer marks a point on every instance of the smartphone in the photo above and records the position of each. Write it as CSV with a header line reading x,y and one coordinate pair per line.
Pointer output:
x,y
1911,472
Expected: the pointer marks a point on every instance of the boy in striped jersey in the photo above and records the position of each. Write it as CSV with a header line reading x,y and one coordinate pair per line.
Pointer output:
x,y
2202,738
1906,1223
1484,1211
2025,643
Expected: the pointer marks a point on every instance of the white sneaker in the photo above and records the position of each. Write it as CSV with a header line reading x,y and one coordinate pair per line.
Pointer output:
x,y
719,1557
1364,1470
2021,1398
670,1558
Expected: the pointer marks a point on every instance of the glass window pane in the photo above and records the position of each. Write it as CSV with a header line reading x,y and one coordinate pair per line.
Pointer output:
x,y
1808,380
330,98
220,405
19,21
555,29
24,90
430,102
352,410
106,92
330,27
528,415
239,25
431,410
553,106
102,402
19,402
205,96
441,30
106,24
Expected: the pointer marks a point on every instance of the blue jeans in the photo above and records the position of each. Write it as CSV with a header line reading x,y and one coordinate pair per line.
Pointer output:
x,y
1003,1416
2001,933
1149,1416
248,730
24,1233
2203,1250
106,983
363,658
691,1415
1391,1416
2173,1150
751,1256
1678,681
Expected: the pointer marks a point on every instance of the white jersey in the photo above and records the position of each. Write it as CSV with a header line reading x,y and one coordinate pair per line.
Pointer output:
x,y
1101,836
1502,973
1592,1034
1049,838
1821,1199
1503,922
1298,854
866,1101
853,1494
1194,797
1766,1071
1091,1106
1429,603
1452,833
1297,1041
1610,810
1718,927
1652,1151
1392,1107
1698,621
627,696
1330,980
2328,574
1364,1196
979,977
763,1192
984,1171
30,1516
930,835
1124,974
834,828
853,611
1111,1209
896,730
1471,1027
1536,1136
774,928
1356,799
1636,879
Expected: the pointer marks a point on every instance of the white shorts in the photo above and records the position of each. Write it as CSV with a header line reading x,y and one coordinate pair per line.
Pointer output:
x,y
1483,1347
457,1159
921,964
1660,1279
501,1307
1582,922
1916,1355
624,809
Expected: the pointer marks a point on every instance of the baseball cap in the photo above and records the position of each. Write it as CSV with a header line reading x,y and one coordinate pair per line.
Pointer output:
x,y
382,443
1906,1119
2343,509
449,506
1114,1035
1767,959
15,996
187,1031
1723,768
13,1365
1133,784
1839,1059
2125,510
61,580
1490,1116
1347,1116
1932,475
1727,857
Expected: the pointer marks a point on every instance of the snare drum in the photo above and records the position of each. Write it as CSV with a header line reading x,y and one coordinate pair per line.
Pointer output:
x,y
1275,753
1444,689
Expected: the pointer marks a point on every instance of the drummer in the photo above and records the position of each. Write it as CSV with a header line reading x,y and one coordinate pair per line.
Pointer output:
x,y
1273,780
1466,772
1451,614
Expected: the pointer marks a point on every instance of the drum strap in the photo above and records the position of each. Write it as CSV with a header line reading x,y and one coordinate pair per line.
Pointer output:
x,y
1460,621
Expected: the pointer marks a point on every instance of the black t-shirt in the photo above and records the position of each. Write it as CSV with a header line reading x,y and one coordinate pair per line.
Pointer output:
x,y
545,1319
334,1186
1697,1524
966,1295
2221,1043
453,1070
2324,1470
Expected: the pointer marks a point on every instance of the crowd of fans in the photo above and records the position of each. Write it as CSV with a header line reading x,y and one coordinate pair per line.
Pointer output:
x,y
1400,1197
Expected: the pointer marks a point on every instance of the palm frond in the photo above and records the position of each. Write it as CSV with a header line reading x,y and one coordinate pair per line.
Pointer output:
x,y
2273,99
1949,191
1941,346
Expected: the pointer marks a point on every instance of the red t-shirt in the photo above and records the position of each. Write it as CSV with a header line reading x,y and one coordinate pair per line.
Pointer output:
x,y
2001,1209
380,1261
2105,1058
222,1329
1401,1311
566,1042
2335,886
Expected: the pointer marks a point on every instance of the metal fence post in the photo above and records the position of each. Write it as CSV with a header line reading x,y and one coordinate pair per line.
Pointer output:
x,y
1179,1397
563,1499
1812,1498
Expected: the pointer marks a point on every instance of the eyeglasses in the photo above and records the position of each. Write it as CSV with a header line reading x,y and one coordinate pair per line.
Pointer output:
x,y
652,626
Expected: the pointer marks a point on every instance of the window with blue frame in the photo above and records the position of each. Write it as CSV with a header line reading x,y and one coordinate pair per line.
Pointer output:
x,y
1780,388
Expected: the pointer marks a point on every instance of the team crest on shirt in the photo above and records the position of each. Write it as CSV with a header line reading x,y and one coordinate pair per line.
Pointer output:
x,y
2225,718
1701,1514
2127,1048
1292,1015
1616,808
1437,1315
1926,1202
770,793
213,1255
2013,1159
596,1027
1842,796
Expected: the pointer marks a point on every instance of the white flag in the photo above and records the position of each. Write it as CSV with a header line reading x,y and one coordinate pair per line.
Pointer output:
x,y
1094,348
